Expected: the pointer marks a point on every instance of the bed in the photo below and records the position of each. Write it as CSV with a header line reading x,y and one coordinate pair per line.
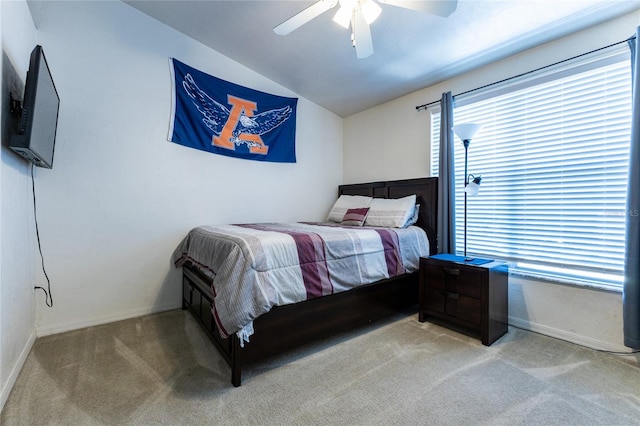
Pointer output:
x,y
286,326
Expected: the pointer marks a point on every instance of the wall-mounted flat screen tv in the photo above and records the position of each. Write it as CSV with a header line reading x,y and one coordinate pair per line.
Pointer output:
x,y
36,136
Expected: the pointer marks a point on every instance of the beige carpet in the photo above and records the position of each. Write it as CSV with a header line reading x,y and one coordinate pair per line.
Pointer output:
x,y
161,369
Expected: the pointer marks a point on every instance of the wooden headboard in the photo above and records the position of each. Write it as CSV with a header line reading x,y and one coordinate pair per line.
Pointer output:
x,y
426,190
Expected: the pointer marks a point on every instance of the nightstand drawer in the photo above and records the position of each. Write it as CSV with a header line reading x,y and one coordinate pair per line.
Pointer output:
x,y
454,279
435,300
470,283
467,309
453,304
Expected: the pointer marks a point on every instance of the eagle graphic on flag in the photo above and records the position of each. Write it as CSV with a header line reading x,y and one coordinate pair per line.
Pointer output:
x,y
221,117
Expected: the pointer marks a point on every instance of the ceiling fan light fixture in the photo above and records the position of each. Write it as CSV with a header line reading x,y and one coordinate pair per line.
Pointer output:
x,y
343,17
371,11
348,4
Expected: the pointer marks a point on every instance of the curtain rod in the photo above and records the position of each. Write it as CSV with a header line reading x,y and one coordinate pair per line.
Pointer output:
x,y
425,106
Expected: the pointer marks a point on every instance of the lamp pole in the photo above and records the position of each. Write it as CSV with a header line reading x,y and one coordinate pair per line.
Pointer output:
x,y
465,132
465,143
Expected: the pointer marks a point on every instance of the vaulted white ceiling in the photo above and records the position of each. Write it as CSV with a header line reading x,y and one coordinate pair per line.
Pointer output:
x,y
412,50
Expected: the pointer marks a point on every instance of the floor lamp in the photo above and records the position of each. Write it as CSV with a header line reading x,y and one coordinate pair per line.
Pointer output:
x,y
465,132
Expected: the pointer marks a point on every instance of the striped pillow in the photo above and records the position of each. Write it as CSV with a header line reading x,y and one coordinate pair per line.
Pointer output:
x,y
355,217
391,213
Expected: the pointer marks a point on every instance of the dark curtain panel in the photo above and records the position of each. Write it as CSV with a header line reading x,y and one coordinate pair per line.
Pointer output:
x,y
631,294
446,179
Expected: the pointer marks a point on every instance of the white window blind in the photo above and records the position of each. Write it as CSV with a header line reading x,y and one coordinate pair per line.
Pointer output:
x,y
553,156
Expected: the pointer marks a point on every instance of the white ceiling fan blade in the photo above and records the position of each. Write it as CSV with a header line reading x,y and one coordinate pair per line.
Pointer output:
x,y
442,8
361,35
305,16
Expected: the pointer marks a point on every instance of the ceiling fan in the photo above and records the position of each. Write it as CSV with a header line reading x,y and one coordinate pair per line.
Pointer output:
x,y
359,14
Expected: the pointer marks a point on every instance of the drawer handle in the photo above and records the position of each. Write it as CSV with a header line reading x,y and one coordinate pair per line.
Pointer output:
x,y
452,271
451,295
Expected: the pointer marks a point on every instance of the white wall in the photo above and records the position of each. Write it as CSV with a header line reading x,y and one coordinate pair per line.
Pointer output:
x,y
393,139
120,197
17,243
585,316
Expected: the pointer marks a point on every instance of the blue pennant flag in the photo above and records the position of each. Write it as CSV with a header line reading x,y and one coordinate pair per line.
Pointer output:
x,y
215,115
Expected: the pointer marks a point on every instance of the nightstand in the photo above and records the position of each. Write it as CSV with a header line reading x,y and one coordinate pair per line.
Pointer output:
x,y
473,296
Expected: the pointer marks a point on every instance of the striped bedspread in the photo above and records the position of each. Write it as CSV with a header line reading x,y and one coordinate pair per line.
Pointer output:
x,y
258,266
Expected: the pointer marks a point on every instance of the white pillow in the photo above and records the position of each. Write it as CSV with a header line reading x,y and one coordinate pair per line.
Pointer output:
x,y
390,213
344,203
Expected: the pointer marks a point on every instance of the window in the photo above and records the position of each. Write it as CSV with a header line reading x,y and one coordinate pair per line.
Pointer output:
x,y
553,156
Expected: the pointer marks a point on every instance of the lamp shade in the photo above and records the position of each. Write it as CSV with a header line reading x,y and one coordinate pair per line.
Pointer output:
x,y
473,186
466,131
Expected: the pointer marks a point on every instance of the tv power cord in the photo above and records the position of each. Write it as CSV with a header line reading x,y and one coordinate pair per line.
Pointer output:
x,y
47,291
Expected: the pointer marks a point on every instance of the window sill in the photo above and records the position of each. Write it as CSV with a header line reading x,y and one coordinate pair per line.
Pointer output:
x,y
567,281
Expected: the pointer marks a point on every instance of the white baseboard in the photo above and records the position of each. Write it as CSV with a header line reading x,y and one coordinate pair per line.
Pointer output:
x,y
567,336
15,371
46,329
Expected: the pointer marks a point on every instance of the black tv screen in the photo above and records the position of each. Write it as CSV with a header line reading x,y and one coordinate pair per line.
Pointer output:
x,y
36,135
